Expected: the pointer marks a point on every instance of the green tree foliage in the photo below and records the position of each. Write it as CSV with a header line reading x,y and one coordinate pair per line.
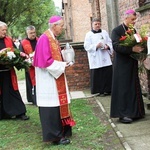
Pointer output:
x,y
19,14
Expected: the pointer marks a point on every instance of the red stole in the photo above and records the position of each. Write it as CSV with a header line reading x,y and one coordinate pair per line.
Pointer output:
x,y
28,50
9,44
61,84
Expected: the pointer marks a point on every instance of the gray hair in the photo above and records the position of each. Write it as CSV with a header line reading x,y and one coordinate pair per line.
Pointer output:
x,y
52,24
2,24
96,20
30,28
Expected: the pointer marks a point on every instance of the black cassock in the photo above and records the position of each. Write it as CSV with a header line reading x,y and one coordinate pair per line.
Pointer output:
x,y
11,103
126,99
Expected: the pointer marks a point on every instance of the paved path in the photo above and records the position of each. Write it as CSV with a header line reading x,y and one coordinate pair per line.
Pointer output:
x,y
134,136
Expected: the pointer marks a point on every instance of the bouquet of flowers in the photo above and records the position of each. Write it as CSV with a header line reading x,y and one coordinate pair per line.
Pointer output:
x,y
14,58
132,38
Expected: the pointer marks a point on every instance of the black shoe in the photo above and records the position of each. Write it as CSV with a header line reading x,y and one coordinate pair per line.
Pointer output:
x,y
125,120
22,117
107,94
101,95
62,141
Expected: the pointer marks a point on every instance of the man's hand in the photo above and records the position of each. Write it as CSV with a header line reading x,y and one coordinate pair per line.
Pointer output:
x,y
137,49
100,45
106,47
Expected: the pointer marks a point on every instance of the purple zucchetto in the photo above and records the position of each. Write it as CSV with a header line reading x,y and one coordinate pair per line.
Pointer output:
x,y
54,19
130,11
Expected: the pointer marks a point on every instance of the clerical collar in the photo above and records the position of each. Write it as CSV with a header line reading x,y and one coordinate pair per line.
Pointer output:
x,y
30,39
99,31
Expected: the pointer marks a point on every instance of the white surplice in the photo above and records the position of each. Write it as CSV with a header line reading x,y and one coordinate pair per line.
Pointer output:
x,y
98,57
47,93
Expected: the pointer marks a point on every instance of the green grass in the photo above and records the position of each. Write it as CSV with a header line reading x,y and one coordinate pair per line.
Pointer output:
x,y
26,135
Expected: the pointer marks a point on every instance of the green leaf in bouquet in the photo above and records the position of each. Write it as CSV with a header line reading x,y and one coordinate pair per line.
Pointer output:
x,y
139,56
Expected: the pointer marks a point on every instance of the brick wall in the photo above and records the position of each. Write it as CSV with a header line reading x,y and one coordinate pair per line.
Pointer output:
x,y
81,12
103,12
78,76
